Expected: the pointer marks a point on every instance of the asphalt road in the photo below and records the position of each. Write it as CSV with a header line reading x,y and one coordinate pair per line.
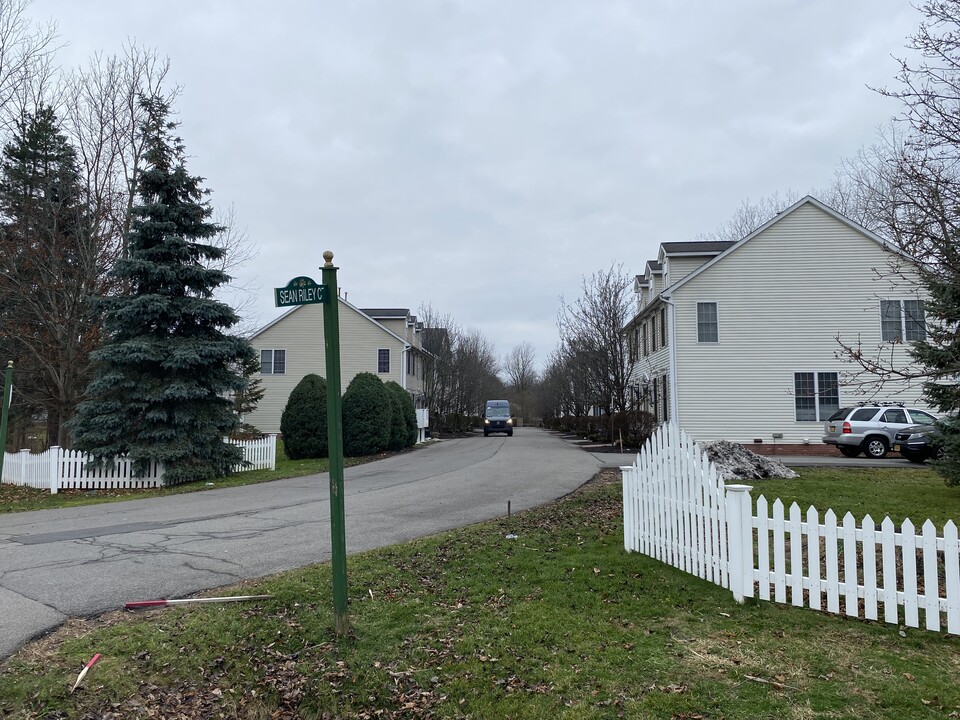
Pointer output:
x,y
84,561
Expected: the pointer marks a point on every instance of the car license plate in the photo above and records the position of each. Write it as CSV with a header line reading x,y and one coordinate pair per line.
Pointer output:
x,y
896,448
833,428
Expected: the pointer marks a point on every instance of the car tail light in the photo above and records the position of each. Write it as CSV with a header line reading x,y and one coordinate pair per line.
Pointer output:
x,y
846,427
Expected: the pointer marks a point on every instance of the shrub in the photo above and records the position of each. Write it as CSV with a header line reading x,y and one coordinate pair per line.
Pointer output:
x,y
407,413
636,426
398,426
367,413
304,420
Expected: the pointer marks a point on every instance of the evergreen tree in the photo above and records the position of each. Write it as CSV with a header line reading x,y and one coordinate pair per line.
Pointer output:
x,y
50,266
246,400
167,370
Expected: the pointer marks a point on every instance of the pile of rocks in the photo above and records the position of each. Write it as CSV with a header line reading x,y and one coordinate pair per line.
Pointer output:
x,y
735,462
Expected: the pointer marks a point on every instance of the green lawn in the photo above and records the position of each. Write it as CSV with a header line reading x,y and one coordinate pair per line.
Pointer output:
x,y
915,493
556,622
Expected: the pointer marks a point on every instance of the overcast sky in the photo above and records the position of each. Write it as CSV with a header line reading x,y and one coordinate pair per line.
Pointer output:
x,y
483,156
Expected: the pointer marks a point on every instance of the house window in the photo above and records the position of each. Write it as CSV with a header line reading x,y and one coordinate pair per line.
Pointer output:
x,y
644,335
273,362
412,364
656,398
653,334
663,327
383,360
707,325
666,405
816,395
902,320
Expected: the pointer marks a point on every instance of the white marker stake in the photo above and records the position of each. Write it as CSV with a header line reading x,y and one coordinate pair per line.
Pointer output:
x,y
83,672
163,603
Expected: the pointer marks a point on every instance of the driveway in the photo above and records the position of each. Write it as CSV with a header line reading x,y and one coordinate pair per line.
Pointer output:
x,y
615,459
83,561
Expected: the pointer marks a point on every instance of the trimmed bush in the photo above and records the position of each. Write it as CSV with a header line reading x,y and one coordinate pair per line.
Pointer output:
x,y
398,426
635,426
367,414
304,420
407,412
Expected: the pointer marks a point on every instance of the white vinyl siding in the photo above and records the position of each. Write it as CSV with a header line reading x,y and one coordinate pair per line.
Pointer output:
x,y
301,333
680,267
782,313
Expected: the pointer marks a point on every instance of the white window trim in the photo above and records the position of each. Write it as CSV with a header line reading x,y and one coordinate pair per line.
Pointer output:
x,y
389,361
696,321
272,352
816,390
903,318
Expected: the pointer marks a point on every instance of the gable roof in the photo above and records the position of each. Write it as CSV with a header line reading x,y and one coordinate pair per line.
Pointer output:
x,y
386,312
695,247
807,200
343,302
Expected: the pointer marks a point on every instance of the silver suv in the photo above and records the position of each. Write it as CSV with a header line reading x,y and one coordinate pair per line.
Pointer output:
x,y
870,428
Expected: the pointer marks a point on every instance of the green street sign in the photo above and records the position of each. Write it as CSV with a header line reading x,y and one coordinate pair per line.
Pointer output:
x,y
300,291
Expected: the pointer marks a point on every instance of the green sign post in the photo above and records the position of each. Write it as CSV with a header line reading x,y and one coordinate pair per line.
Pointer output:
x,y
5,411
304,291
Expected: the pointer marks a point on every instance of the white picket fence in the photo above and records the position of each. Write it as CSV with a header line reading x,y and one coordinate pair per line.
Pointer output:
x,y
61,469
679,510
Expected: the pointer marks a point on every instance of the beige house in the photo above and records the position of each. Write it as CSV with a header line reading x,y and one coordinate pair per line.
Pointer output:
x,y
739,340
387,343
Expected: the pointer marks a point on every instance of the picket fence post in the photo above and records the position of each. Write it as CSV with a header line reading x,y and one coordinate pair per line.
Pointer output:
x,y
740,541
54,469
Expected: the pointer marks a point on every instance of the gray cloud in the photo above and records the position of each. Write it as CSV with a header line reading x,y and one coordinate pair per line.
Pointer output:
x,y
443,149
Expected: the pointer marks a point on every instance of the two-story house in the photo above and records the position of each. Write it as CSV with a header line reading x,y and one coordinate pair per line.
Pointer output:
x,y
383,341
742,340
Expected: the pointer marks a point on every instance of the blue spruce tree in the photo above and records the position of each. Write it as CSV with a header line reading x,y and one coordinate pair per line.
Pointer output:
x,y
167,369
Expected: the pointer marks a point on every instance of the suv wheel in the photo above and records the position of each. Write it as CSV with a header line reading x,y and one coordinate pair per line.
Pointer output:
x,y
847,451
875,447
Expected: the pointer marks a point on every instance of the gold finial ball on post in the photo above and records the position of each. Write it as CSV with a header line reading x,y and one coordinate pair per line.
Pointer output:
x,y
327,258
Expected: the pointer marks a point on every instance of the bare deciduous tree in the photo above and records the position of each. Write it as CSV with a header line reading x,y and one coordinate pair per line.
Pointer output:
x,y
460,370
912,185
26,63
104,117
592,340
749,216
519,367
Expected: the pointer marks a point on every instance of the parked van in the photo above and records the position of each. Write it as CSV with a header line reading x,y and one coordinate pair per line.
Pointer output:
x,y
497,418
